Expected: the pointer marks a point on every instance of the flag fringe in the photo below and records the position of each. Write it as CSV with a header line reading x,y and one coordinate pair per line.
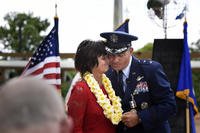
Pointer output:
x,y
183,95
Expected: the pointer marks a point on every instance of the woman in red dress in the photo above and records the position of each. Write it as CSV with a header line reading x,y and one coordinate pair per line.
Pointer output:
x,y
93,104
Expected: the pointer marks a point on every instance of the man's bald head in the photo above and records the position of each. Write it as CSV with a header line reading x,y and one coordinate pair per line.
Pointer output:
x,y
28,102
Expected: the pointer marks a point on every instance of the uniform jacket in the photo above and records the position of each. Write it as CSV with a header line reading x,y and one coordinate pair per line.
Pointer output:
x,y
154,98
86,113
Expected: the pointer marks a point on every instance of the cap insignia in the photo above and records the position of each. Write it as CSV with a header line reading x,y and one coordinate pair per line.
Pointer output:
x,y
114,38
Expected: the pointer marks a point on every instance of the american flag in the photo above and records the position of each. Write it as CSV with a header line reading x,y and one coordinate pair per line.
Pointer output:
x,y
45,62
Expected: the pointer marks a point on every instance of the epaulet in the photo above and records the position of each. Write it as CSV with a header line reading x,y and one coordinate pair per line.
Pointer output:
x,y
145,62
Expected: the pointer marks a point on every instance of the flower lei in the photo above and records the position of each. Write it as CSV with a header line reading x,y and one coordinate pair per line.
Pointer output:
x,y
112,112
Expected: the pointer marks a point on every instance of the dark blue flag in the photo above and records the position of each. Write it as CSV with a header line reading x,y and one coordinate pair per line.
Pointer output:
x,y
185,86
182,14
123,27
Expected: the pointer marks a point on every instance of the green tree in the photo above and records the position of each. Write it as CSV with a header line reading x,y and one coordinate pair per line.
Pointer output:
x,y
195,46
147,48
196,79
22,32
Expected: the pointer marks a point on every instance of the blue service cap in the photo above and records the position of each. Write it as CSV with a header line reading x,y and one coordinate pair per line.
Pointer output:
x,y
117,41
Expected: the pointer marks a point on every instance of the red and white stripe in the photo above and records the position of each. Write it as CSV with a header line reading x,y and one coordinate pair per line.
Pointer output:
x,y
49,69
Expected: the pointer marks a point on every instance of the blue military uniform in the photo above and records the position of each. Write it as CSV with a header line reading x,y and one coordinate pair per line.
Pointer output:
x,y
146,84
152,93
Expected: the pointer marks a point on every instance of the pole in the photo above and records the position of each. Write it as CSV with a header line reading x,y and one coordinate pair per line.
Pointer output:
x,y
56,15
20,36
118,17
165,20
187,116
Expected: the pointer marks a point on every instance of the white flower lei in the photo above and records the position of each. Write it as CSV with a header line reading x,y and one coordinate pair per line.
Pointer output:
x,y
112,112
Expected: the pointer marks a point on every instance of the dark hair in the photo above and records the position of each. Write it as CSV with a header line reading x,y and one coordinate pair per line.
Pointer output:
x,y
87,54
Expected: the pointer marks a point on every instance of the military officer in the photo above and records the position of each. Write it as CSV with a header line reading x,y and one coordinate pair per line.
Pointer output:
x,y
146,96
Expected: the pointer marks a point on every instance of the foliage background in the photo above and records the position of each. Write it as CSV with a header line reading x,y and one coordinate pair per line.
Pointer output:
x,y
22,32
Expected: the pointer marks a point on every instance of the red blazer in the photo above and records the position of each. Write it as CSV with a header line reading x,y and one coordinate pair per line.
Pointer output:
x,y
86,113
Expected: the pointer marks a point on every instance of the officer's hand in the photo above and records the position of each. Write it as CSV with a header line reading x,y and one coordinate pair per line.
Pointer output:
x,y
130,119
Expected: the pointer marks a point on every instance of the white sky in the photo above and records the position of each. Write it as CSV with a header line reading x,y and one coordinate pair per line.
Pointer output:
x,y
86,19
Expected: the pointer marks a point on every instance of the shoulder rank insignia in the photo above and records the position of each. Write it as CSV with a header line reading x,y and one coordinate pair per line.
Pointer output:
x,y
146,62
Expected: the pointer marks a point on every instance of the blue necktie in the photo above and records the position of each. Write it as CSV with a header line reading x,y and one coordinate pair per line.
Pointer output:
x,y
120,82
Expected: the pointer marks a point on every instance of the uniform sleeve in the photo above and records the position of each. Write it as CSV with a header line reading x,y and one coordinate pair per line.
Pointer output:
x,y
162,97
77,106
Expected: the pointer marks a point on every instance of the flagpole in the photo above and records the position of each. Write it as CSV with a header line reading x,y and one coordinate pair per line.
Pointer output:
x,y
118,15
187,115
56,15
187,101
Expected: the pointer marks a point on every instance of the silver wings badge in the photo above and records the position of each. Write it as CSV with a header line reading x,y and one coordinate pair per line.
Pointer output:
x,y
139,78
